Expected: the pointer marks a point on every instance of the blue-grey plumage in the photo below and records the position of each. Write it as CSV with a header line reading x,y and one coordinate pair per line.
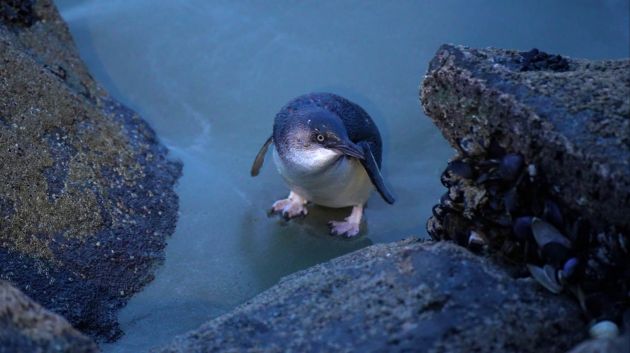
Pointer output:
x,y
328,150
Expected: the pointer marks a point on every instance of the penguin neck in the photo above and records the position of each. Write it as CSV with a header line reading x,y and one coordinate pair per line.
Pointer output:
x,y
308,160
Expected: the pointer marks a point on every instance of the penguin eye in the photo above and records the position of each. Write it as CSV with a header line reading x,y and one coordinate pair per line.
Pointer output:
x,y
320,138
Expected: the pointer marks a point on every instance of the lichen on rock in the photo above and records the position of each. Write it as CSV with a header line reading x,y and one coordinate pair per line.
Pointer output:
x,y
86,199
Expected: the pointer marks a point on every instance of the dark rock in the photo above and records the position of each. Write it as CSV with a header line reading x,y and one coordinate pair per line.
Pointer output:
x,y
569,117
553,164
86,199
27,327
407,296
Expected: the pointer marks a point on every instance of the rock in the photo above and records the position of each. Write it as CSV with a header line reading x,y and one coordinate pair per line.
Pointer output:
x,y
404,296
603,345
569,117
86,199
27,327
549,176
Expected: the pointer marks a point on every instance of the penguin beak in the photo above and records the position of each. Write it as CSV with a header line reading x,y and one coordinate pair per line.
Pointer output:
x,y
350,149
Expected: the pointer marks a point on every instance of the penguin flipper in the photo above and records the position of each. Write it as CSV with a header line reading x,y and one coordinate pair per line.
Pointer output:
x,y
260,157
373,171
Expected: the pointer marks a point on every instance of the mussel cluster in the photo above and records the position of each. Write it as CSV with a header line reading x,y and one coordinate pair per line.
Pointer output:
x,y
499,204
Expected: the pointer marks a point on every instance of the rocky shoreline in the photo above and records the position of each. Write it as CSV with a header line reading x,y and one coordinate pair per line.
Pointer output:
x,y
86,199
540,179
530,244
542,171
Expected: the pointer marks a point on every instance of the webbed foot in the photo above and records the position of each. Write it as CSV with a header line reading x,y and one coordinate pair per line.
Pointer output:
x,y
292,206
343,228
350,226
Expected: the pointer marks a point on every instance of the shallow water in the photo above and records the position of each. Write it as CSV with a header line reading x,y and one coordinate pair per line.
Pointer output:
x,y
210,76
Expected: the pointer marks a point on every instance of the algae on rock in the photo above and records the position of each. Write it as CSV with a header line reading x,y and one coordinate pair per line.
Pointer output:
x,y
86,199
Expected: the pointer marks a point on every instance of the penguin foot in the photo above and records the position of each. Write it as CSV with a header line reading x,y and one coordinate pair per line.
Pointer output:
x,y
350,226
346,229
291,207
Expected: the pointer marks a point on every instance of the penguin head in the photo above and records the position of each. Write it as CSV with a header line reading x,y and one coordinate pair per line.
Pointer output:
x,y
316,137
327,131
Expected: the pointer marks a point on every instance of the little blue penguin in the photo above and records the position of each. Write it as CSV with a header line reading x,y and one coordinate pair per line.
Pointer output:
x,y
328,150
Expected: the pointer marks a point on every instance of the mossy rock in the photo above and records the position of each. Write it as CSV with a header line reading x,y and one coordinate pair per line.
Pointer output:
x,y
86,198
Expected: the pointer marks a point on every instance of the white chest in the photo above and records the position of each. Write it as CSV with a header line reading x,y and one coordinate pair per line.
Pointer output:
x,y
325,177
